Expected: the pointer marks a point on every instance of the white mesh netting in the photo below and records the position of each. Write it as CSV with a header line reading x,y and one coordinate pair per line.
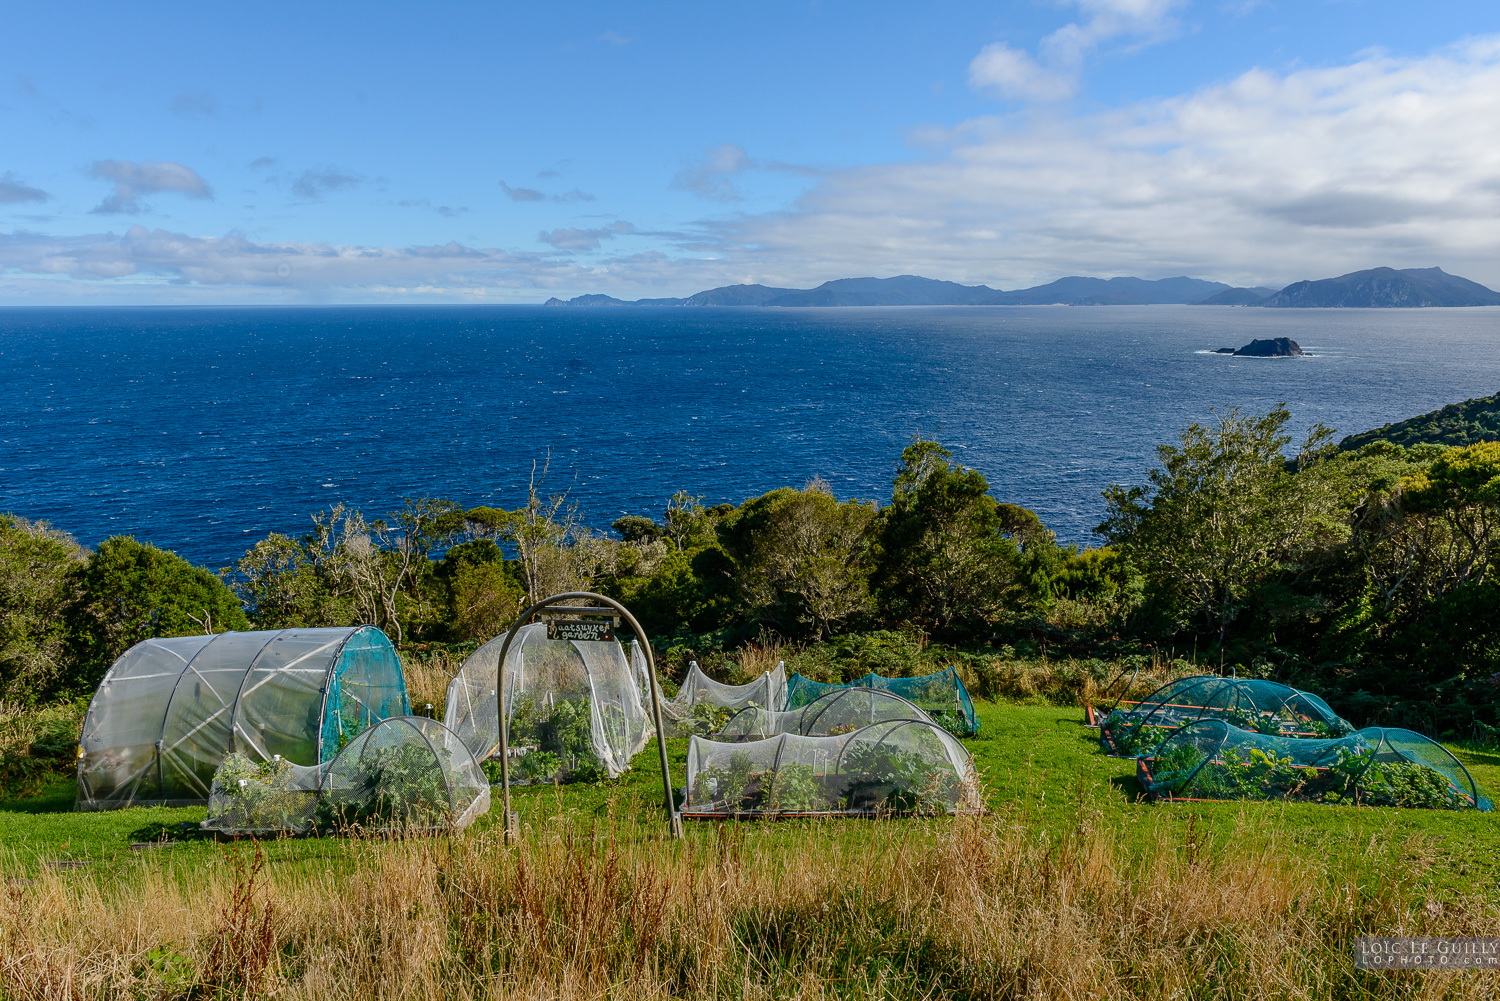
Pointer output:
x,y
893,767
767,691
408,773
832,713
573,705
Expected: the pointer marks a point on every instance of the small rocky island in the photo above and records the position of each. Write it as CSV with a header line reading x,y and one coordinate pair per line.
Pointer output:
x,y
1271,347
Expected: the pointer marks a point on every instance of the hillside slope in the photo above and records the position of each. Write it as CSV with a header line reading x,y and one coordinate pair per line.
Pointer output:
x,y
1455,425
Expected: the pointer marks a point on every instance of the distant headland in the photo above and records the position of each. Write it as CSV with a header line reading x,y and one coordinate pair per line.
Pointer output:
x,y
1376,287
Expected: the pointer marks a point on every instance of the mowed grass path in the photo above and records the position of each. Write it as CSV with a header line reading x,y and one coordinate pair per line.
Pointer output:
x,y
1041,767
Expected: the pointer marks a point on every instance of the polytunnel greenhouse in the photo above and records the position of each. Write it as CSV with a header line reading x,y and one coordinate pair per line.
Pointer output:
x,y
407,773
702,700
574,705
1377,766
942,696
170,709
842,710
889,768
1251,704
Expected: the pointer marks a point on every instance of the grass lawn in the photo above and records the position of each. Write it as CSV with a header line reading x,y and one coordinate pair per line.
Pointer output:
x,y
1042,768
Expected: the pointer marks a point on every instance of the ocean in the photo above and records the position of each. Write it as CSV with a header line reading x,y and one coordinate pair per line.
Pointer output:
x,y
203,429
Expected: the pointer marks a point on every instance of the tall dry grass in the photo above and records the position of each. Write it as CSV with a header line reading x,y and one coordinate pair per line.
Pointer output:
x,y
427,675
594,907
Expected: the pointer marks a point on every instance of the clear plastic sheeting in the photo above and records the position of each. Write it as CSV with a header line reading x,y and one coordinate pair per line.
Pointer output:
x,y
407,773
573,705
840,711
170,709
699,693
1249,704
1378,766
942,696
897,767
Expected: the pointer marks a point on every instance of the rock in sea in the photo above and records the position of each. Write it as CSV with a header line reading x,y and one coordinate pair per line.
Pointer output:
x,y
1272,347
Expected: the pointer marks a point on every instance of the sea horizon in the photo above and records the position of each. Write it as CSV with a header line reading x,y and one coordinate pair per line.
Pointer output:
x,y
202,433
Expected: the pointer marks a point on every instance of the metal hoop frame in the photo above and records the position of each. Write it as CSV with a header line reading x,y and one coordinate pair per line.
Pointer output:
x,y
674,819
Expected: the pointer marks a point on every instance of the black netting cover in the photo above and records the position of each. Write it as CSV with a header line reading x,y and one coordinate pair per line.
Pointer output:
x,y
1376,766
942,696
1268,707
842,710
893,767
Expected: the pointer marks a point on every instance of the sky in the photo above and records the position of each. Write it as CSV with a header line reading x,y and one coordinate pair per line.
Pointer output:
x,y
318,153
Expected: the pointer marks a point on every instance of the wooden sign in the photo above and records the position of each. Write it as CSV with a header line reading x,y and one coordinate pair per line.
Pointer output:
x,y
581,630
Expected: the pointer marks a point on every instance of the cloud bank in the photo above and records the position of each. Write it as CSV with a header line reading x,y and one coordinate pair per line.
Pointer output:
x,y
132,180
1267,177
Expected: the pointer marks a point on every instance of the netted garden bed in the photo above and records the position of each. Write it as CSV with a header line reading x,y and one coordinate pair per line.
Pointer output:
x,y
892,768
942,696
840,711
405,774
1268,707
1377,766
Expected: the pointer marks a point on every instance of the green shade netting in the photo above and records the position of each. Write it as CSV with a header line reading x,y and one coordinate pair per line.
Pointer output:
x,y
407,774
842,710
1251,704
942,696
892,767
1376,766
170,709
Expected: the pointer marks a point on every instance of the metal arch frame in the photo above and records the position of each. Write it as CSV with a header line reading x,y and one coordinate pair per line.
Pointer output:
x,y
842,693
674,819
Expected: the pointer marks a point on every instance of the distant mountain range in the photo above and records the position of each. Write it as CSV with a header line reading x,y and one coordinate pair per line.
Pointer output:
x,y
1375,287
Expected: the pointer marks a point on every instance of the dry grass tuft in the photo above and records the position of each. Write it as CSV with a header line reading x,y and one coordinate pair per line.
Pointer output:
x,y
601,906
427,675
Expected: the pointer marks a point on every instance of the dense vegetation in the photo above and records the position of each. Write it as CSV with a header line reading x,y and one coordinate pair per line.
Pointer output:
x,y
1366,573
1463,423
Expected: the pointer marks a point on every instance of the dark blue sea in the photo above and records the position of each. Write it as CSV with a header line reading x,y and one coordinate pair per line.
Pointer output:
x,y
203,429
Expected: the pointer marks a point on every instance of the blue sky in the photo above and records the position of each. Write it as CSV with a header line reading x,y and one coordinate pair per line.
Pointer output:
x,y
499,153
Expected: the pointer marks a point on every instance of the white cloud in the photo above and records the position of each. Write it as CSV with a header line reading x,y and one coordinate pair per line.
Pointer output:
x,y
155,265
235,261
13,190
712,174
1014,73
132,180
313,185
1054,73
584,239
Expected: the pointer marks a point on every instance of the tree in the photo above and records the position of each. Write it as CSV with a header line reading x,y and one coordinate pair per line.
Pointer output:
x,y
133,591
803,558
637,528
39,569
557,551
1222,514
279,583
1434,530
688,524
944,559
483,596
